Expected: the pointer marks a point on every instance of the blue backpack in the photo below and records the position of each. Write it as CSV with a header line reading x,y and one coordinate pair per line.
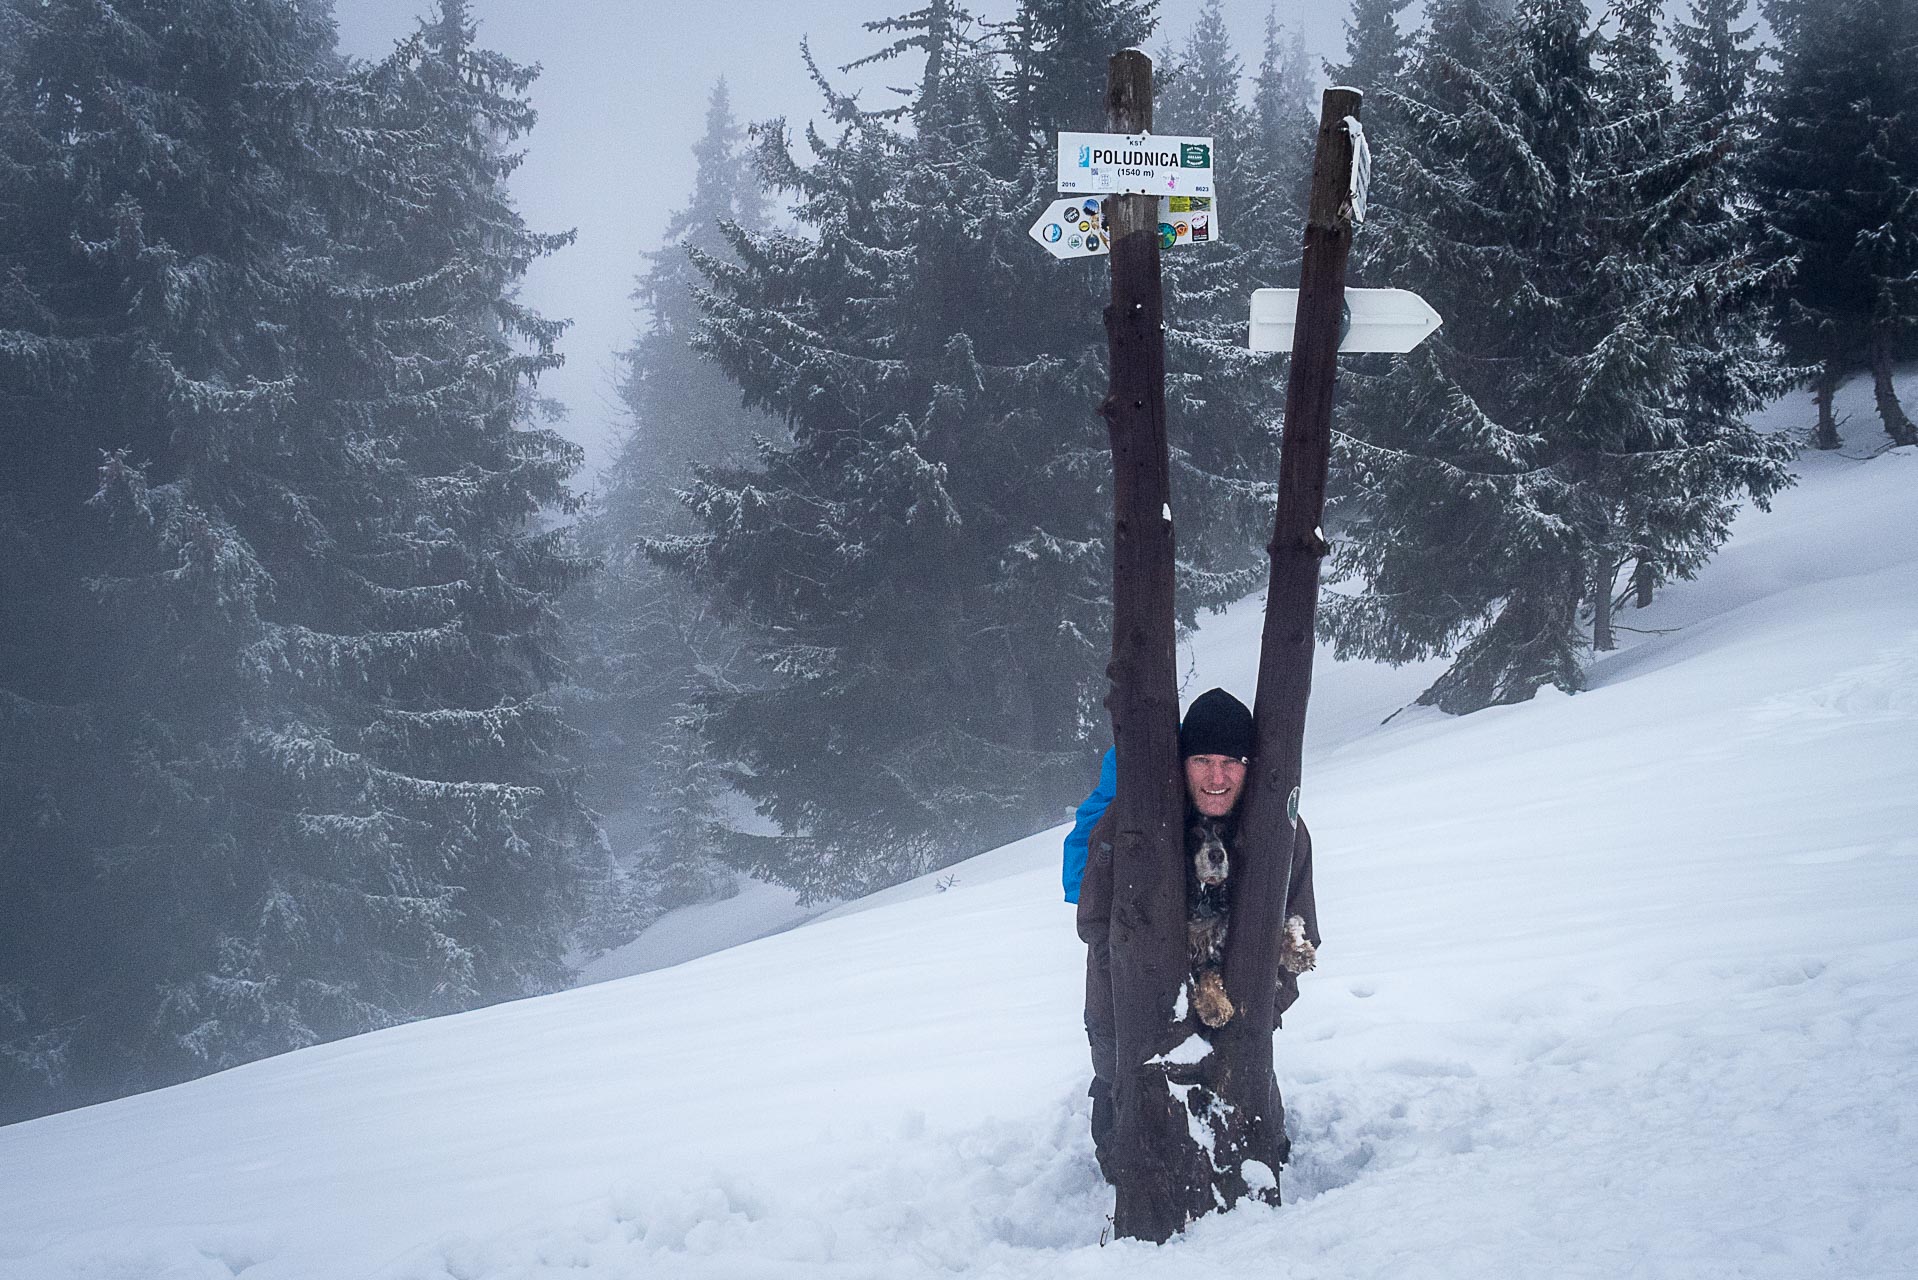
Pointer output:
x,y
1088,816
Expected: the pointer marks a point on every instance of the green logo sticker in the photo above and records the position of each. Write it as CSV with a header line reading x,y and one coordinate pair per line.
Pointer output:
x,y
1195,155
1292,807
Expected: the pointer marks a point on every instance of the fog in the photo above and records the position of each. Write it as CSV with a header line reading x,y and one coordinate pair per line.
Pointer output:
x,y
621,100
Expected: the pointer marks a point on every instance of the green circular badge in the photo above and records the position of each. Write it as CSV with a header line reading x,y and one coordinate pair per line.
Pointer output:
x,y
1168,235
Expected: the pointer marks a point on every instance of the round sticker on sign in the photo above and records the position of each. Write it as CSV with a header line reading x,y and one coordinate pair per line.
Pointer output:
x,y
1052,232
1075,242
1168,235
1292,807
1092,243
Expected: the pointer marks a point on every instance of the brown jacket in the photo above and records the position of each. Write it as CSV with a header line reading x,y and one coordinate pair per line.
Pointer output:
x,y
1095,912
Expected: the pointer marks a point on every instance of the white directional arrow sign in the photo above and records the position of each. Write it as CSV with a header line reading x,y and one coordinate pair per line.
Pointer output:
x,y
1379,319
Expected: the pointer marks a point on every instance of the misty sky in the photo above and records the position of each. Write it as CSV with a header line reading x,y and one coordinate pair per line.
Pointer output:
x,y
623,98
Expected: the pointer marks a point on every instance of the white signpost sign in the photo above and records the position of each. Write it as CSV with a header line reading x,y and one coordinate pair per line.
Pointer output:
x,y
1136,164
1075,228
1381,319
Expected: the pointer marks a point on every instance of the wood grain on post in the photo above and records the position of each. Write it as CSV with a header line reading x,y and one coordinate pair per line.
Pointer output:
x,y
1151,1155
1267,826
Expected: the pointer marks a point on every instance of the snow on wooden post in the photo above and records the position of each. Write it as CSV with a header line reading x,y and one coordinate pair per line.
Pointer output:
x,y
1240,1075
1160,1176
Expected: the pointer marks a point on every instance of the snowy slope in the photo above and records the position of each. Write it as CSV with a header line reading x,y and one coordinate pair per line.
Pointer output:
x,y
1617,985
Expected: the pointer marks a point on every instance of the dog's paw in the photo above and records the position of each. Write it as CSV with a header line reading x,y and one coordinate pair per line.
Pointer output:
x,y
1210,1001
1296,952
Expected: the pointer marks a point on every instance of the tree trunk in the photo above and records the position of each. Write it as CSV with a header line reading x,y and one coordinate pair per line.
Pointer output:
x,y
1897,425
1159,1175
1823,388
1643,581
1248,1132
1604,575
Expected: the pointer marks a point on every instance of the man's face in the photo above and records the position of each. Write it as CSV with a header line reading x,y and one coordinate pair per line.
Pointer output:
x,y
1214,783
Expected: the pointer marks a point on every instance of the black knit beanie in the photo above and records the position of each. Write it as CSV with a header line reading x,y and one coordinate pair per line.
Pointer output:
x,y
1216,724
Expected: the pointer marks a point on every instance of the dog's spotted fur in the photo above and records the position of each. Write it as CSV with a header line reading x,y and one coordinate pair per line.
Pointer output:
x,y
1208,905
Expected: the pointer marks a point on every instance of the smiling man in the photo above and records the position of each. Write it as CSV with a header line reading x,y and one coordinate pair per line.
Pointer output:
x,y
1213,782
1216,742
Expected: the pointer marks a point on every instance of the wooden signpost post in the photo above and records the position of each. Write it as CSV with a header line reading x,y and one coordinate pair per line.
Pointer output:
x,y
1158,1173
1195,1124
1268,823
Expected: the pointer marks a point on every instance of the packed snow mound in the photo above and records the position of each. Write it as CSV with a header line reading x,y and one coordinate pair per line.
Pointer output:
x,y
1620,984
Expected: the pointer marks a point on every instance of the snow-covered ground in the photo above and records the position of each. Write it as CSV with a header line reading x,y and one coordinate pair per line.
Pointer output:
x,y
1624,984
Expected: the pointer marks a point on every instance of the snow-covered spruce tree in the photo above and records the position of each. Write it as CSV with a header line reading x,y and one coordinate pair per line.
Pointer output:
x,y
143,205
1459,41
1375,52
1717,63
1730,363
1285,116
684,412
1836,177
1461,37
871,559
1053,74
430,799
277,627
1582,408
1196,86
1709,284
643,634
921,570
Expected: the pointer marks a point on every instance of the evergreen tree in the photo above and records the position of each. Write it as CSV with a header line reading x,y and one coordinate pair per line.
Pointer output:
x,y
1223,401
1058,51
1374,49
141,198
1285,108
1375,54
878,558
1582,407
683,411
1375,59
1196,87
644,635
1837,177
279,628
1718,65
1462,38
921,569
1717,62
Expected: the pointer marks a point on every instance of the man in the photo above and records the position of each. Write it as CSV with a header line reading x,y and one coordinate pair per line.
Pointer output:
x,y
1215,748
